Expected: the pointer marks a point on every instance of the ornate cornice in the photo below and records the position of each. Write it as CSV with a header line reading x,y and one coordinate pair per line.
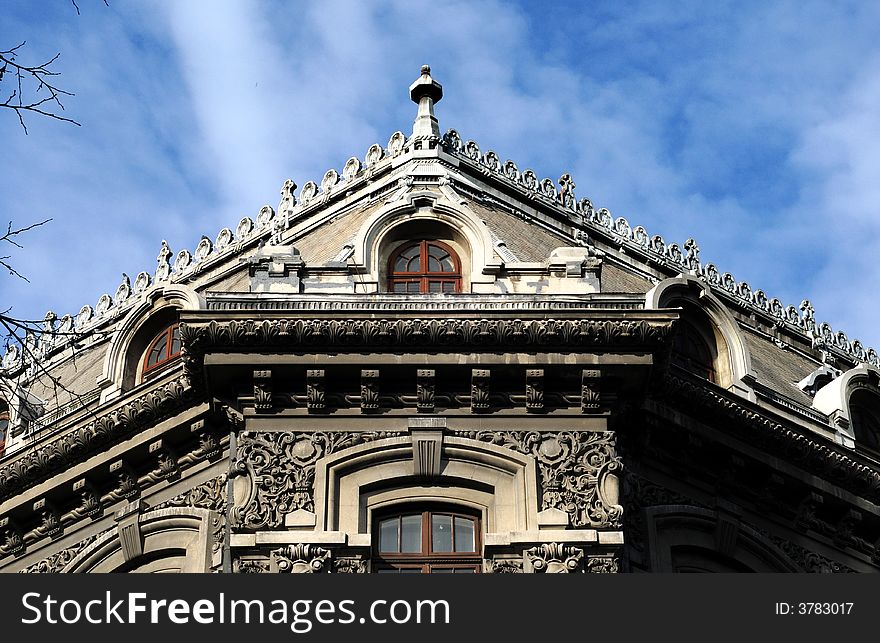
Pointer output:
x,y
199,337
392,303
107,427
809,452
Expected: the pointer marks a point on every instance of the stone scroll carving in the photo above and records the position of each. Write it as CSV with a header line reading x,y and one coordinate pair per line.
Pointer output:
x,y
578,471
281,470
301,559
555,558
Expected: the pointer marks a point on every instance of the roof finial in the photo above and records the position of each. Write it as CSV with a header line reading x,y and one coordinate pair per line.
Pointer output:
x,y
426,91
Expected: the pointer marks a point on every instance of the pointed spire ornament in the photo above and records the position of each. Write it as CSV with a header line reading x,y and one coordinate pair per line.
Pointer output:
x,y
426,91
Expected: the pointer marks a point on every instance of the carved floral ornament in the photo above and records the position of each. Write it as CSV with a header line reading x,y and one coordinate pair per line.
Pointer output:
x,y
280,467
573,466
281,470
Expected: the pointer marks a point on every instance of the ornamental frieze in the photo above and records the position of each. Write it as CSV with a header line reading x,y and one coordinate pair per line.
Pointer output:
x,y
573,466
281,470
59,560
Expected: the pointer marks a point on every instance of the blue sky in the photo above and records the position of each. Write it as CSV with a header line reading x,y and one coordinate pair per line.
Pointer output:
x,y
751,126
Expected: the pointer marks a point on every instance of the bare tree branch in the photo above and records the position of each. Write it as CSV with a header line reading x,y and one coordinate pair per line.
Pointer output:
x,y
9,237
30,80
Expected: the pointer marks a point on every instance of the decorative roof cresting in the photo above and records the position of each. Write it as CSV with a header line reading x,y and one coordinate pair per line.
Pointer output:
x,y
581,214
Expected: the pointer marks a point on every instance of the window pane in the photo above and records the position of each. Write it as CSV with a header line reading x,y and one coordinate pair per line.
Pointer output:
x,y
410,570
158,353
175,342
442,570
441,528
408,260
413,287
465,570
411,534
464,534
399,286
439,260
434,286
448,286
388,532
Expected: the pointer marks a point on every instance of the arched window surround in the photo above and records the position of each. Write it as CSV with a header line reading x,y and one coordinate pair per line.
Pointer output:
x,y
124,360
418,215
733,364
835,400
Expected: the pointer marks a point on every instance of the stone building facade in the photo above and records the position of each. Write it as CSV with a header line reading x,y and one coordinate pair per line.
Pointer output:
x,y
433,361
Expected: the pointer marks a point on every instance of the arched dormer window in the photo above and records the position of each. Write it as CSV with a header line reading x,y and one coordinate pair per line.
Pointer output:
x,y
164,348
864,415
427,541
427,266
691,351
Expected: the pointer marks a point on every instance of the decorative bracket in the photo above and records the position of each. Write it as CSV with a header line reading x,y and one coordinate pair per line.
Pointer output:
x,y
590,391
262,391
369,391
425,390
535,390
315,395
480,390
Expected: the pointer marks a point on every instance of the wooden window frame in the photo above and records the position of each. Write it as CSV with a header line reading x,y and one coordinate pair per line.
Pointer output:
x,y
428,561
424,277
168,335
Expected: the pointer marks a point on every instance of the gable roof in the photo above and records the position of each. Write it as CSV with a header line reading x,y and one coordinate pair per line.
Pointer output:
x,y
528,216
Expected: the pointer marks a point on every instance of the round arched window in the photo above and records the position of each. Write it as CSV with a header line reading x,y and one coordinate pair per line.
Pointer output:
x,y
426,266
162,350
427,542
